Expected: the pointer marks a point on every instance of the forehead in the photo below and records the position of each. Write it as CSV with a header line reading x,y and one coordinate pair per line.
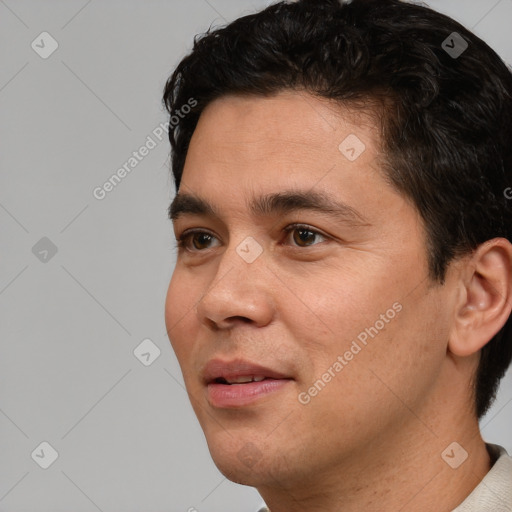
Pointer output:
x,y
272,141
287,115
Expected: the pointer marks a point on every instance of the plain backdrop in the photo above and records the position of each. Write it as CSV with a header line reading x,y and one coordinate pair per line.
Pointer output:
x,y
83,280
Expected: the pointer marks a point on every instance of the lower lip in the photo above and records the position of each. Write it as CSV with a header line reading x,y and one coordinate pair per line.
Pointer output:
x,y
239,395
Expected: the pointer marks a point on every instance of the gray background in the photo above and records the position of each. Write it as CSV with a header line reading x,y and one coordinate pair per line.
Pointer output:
x,y
125,433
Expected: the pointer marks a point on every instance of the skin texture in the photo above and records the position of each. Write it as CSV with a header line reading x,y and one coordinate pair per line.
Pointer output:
x,y
372,438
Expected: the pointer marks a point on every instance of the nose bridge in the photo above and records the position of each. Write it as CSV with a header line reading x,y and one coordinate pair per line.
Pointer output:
x,y
242,262
238,288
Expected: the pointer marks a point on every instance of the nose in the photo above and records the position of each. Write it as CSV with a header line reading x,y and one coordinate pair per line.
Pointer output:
x,y
240,293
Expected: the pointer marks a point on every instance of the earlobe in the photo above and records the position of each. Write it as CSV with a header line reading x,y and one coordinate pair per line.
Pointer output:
x,y
486,301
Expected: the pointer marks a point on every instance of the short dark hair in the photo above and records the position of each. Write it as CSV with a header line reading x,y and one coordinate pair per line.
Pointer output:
x,y
446,116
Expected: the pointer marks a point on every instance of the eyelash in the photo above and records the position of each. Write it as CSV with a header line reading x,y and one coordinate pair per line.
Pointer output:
x,y
181,241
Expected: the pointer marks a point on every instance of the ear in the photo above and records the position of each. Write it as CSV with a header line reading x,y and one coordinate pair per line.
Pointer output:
x,y
486,301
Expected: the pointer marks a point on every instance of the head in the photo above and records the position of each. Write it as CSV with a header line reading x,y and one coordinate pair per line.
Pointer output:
x,y
404,285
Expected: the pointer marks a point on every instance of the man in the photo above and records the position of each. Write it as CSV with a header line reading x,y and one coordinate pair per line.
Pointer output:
x,y
340,305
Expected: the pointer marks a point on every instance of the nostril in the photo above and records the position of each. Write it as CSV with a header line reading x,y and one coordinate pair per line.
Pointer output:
x,y
242,318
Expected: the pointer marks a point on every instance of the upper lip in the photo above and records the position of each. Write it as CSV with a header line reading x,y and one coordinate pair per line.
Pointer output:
x,y
217,369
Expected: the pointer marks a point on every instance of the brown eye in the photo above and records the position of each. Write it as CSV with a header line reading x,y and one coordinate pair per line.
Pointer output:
x,y
198,239
304,236
195,241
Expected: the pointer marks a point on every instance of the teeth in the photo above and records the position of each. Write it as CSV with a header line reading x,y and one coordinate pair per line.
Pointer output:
x,y
240,380
246,379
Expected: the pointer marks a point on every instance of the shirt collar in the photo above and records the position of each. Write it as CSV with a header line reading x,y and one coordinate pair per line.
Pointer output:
x,y
494,492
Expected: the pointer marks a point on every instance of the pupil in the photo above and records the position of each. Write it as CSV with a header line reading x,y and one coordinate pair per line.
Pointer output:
x,y
303,235
201,239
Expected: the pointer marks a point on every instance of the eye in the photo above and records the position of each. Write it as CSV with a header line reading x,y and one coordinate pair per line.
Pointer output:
x,y
197,238
198,241
303,234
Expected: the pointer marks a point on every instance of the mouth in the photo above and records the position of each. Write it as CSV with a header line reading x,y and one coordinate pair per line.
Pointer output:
x,y
232,384
240,380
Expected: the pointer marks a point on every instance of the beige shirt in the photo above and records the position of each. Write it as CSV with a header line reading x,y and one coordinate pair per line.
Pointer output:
x,y
493,493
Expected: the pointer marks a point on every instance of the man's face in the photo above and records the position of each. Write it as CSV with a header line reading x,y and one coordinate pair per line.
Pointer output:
x,y
338,314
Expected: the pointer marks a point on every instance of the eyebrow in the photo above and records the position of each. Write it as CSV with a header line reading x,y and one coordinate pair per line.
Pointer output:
x,y
278,203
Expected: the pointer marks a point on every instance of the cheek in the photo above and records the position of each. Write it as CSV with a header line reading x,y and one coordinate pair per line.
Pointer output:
x,y
341,303
179,316
336,313
403,358
373,319
420,337
392,372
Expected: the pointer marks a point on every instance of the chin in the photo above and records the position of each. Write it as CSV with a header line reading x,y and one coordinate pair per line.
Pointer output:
x,y
237,471
238,458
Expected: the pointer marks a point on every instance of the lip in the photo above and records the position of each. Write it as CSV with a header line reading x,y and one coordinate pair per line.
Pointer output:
x,y
224,395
